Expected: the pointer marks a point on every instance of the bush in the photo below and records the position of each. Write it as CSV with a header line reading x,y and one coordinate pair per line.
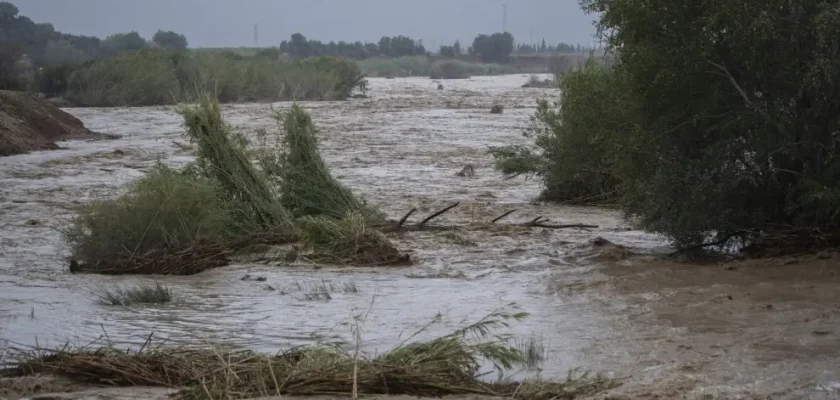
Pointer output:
x,y
449,70
140,78
164,211
578,143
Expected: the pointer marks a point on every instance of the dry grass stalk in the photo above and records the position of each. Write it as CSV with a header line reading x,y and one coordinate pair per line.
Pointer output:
x,y
449,365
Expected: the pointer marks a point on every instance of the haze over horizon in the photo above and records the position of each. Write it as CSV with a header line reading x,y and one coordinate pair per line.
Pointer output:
x,y
230,23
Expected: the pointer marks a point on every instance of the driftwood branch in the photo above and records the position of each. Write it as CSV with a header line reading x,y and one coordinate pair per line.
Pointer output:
x,y
499,218
405,217
538,222
437,214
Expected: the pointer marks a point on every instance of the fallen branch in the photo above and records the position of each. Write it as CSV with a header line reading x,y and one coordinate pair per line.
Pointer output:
x,y
538,222
437,214
405,217
499,218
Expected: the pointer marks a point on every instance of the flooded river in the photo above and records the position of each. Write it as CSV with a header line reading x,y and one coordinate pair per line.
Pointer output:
x,y
401,148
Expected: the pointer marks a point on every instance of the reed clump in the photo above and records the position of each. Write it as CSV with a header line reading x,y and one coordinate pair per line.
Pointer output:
x,y
184,222
448,365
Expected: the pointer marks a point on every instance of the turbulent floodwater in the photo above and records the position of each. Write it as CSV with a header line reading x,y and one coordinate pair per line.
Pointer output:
x,y
400,148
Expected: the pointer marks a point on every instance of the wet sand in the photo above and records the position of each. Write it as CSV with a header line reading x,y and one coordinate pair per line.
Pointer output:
x,y
754,329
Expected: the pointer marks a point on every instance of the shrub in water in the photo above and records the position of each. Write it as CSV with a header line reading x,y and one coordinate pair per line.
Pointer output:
x,y
164,211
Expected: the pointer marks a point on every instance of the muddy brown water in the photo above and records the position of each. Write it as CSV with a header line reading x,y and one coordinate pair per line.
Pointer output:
x,y
666,331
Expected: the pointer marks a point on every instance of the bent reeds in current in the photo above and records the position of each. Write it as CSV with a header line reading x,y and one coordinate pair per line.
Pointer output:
x,y
223,158
308,188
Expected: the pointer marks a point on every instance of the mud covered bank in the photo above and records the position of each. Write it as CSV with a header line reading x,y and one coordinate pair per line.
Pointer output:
x,y
29,123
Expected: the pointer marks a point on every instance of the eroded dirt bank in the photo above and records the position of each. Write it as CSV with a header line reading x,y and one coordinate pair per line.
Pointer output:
x,y
758,329
29,123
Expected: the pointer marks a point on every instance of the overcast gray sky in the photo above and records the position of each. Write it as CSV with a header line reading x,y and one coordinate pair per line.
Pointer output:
x,y
230,23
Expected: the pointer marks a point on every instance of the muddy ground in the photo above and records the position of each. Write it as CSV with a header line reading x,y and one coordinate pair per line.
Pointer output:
x,y
28,123
753,330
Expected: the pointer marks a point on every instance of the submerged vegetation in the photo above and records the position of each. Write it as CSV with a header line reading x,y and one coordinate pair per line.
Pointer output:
x,y
183,222
703,139
449,365
139,294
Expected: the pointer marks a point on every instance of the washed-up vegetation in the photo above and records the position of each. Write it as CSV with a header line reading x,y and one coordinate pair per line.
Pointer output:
x,y
696,134
157,76
449,365
183,222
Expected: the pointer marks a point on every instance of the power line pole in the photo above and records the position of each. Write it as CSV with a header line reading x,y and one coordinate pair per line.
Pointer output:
x,y
504,18
256,37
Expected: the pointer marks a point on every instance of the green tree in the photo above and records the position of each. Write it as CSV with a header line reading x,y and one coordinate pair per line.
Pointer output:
x,y
170,40
131,41
8,11
494,48
729,141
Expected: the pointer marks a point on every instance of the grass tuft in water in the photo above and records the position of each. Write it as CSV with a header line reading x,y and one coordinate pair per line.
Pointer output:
x,y
156,293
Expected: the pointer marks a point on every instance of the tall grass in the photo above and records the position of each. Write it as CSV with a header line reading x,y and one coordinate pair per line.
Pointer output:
x,y
309,188
155,76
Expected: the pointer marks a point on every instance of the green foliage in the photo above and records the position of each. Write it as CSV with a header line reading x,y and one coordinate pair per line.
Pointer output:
x,y
10,78
119,42
138,78
308,187
170,40
495,48
185,222
8,11
157,76
52,81
450,69
579,143
223,158
425,66
139,294
165,210
301,47
730,140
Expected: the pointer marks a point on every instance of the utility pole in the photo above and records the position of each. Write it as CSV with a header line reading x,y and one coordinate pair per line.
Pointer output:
x,y
256,37
504,18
